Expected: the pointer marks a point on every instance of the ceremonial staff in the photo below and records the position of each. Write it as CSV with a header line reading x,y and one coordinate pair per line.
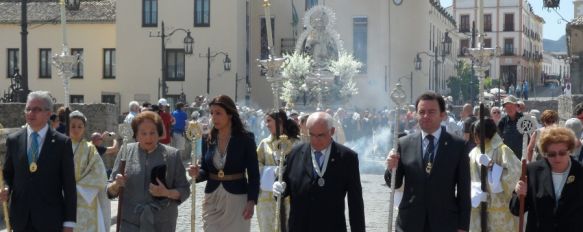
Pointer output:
x,y
5,203
483,170
525,125
399,97
193,133
283,144
521,198
125,131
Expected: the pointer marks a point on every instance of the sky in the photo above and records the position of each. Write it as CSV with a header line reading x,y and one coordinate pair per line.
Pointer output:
x,y
554,27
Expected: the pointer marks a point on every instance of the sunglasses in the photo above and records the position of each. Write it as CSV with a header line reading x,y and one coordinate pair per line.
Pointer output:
x,y
555,154
496,112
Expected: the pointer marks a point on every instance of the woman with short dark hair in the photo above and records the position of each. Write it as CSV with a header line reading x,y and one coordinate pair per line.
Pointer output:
x,y
154,180
554,187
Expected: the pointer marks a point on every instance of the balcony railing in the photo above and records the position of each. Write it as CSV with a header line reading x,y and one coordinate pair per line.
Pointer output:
x,y
509,27
509,51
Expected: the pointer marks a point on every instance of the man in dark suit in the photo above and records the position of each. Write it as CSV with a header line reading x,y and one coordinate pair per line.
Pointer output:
x,y
435,166
319,175
39,172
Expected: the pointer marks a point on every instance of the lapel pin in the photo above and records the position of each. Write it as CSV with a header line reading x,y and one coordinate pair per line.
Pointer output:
x,y
332,160
52,140
570,179
445,144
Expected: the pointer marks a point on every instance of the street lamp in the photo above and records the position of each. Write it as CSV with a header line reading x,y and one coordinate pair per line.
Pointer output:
x,y
73,4
445,50
188,42
226,66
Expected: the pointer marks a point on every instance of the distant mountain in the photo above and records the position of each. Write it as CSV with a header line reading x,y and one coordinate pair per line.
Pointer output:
x,y
559,45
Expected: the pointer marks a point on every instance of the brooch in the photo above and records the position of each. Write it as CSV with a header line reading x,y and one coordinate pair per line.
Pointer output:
x,y
570,179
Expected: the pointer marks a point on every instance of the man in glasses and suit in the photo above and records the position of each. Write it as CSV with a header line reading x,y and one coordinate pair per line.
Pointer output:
x,y
435,167
39,172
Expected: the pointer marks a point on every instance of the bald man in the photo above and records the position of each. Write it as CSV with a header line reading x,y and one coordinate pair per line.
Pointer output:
x,y
319,175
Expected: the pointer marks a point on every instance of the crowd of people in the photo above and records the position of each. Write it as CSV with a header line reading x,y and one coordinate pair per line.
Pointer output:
x,y
56,182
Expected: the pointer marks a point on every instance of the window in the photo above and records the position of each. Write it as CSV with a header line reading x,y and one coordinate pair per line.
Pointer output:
x,y
264,45
78,69
508,22
202,13
464,45
76,98
12,62
44,63
508,47
108,98
149,13
465,23
359,40
487,22
310,4
175,64
109,63
487,43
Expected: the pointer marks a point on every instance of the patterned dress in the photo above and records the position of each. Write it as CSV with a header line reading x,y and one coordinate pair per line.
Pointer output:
x,y
499,217
93,207
266,204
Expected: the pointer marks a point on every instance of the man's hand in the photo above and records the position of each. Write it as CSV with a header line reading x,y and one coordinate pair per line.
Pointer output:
x,y
278,188
520,188
392,160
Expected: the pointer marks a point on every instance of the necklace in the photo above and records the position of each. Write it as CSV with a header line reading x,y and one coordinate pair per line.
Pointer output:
x,y
223,153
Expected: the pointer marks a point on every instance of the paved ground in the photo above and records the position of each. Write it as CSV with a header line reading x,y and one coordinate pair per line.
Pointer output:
x,y
375,194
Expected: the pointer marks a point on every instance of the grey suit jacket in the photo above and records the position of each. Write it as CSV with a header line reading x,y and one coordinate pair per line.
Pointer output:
x,y
442,197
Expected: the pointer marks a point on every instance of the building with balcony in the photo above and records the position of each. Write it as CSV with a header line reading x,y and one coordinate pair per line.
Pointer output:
x,y
511,26
125,57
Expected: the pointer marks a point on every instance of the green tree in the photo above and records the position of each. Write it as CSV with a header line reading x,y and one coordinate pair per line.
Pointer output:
x,y
463,86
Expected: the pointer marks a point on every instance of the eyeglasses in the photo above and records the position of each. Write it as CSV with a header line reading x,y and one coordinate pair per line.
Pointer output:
x,y
34,110
496,112
558,153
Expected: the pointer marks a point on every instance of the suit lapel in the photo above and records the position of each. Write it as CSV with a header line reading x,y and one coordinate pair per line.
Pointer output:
x,y
418,150
307,160
23,148
570,187
547,181
441,149
47,144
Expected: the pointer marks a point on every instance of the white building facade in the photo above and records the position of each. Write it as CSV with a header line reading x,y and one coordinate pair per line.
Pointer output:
x,y
123,56
511,26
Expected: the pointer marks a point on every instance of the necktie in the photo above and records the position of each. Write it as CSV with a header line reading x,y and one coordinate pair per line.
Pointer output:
x,y
319,158
428,156
33,152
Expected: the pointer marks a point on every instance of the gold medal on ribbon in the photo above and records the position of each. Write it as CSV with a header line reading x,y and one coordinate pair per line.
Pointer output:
x,y
32,167
221,174
428,168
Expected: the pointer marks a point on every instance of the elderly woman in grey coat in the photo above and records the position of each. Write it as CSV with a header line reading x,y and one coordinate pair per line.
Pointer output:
x,y
154,180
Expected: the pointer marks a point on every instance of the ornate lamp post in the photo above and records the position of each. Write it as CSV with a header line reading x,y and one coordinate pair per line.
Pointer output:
x,y
272,64
188,42
480,55
445,50
226,66
64,63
